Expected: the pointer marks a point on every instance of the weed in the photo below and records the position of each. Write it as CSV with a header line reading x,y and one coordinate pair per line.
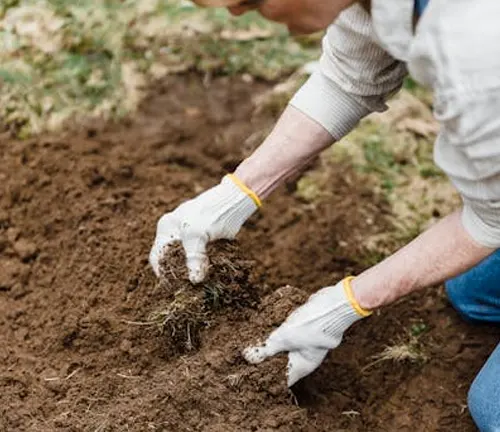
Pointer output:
x,y
410,84
401,353
418,329
377,158
214,295
428,170
405,350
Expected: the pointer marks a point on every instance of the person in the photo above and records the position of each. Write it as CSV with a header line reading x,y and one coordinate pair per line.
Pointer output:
x,y
452,47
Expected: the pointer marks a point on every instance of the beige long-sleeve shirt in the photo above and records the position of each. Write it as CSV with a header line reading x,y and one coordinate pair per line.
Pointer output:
x,y
455,50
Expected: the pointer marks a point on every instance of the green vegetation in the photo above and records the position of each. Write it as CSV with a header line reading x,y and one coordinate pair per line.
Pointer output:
x,y
418,329
87,58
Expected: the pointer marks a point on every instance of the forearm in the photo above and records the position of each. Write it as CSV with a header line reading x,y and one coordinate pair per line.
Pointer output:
x,y
443,251
295,140
320,113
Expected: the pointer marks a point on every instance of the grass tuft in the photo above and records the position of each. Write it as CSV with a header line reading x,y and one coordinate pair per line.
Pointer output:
x,y
407,350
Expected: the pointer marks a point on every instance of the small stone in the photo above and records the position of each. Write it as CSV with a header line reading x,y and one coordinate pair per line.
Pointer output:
x,y
235,418
13,234
54,384
4,219
21,334
4,244
10,271
125,345
193,112
275,390
272,423
215,359
18,291
44,180
247,78
126,171
25,249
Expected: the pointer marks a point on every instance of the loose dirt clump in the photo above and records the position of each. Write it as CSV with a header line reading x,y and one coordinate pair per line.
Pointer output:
x,y
189,308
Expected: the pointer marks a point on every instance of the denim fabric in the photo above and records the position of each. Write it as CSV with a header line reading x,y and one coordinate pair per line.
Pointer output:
x,y
476,296
420,6
484,395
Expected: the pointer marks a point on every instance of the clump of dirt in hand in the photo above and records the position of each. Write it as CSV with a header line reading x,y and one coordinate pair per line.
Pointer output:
x,y
191,308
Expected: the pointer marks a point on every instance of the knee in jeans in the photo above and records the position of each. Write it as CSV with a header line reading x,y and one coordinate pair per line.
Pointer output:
x,y
457,294
480,407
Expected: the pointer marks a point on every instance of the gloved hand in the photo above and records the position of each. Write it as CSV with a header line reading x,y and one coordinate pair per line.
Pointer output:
x,y
216,214
311,330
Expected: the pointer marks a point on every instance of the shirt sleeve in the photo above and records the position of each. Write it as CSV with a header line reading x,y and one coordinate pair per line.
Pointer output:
x,y
462,63
356,75
468,150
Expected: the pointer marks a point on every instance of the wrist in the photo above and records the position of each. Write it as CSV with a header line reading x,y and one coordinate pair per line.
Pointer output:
x,y
365,296
257,179
248,191
357,303
232,204
373,290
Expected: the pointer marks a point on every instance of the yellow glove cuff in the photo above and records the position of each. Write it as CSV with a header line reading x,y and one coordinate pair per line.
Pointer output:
x,y
352,300
246,189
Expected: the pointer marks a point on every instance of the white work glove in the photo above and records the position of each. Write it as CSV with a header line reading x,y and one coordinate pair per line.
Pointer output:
x,y
311,330
216,214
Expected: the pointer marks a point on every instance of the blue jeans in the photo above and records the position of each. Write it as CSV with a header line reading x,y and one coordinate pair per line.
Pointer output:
x,y
476,296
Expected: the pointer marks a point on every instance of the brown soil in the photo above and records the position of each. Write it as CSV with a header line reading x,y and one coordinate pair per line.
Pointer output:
x,y
80,348
190,309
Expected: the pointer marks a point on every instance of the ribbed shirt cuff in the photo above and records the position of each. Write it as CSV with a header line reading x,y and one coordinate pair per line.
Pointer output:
x,y
483,233
233,205
327,104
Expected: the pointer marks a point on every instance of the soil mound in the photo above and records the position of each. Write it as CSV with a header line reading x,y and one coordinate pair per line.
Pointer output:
x,y
190,309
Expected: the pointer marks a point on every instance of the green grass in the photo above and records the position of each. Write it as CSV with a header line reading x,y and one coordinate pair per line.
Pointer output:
x,y
73,63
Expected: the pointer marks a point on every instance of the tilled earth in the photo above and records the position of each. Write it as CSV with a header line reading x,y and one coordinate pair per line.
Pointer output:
x,y
84,343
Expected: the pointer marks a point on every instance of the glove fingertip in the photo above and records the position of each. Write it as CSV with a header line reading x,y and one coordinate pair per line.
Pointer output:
x,y
197,268
291,380
254,354
156,269
196,276
154,261
301,364
294,369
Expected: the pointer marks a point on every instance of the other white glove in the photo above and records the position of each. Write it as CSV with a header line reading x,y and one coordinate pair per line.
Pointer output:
x,y
217,213
311,330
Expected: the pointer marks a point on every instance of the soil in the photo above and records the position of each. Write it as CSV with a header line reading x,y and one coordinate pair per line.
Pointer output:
x,y
82,348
